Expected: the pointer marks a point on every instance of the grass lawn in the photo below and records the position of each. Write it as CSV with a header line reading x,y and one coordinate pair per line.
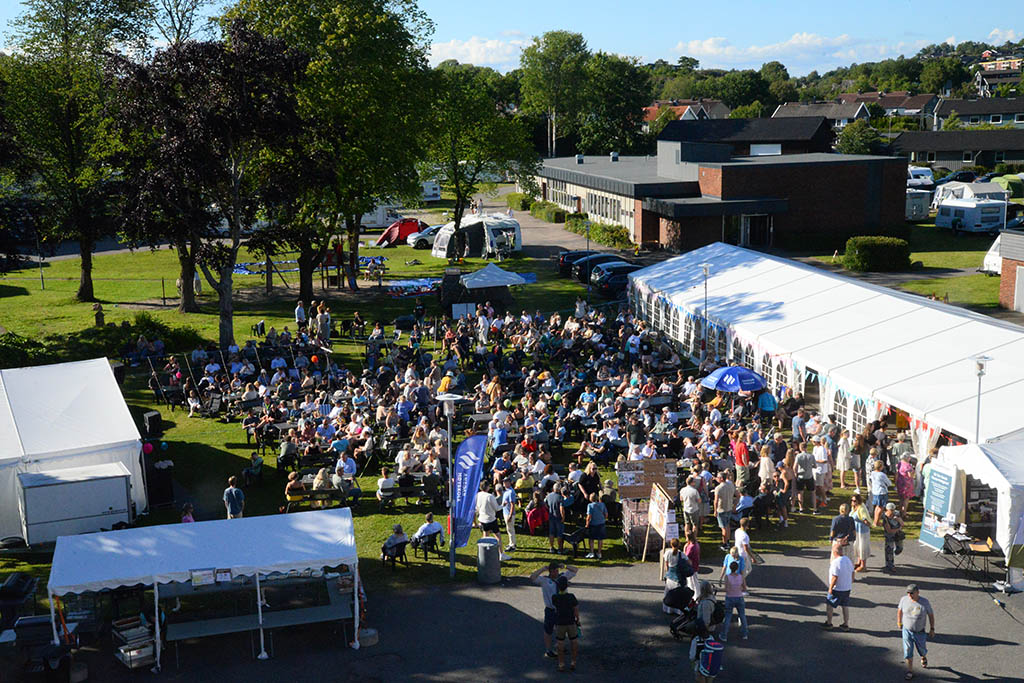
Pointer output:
x,y
938,248
978,291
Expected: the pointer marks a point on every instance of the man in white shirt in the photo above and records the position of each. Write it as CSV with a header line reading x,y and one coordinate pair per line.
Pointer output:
x,y
509,500
690,498
548,590
840,583
385,484
822,470
487,508
300,316
429,527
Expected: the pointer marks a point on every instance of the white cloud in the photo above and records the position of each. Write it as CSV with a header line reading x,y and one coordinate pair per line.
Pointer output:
x,y
951,41
479,51
721,51
1002,35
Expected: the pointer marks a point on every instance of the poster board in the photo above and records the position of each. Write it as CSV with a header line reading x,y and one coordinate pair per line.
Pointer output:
x,y
661,518
637,476
459,310
940,505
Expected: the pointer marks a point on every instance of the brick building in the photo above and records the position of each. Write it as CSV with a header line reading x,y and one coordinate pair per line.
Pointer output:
x,y
697,192
1011,278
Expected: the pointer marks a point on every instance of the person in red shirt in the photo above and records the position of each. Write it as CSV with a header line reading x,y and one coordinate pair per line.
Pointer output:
x,y
528,444
742,457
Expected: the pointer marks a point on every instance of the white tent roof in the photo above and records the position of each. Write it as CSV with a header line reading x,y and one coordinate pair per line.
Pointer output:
x,y
272,543
490,276
56,410
894,347
1001,466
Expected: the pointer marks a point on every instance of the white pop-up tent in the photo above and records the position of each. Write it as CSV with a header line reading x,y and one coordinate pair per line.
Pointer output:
x,y
999,465
866,347
53,417
490,276
250,546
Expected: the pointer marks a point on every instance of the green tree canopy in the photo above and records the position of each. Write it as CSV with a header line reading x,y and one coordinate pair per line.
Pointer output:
x,y
617,90
553,78
857,138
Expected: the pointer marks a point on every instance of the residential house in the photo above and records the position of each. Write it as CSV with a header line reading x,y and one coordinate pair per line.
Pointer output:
x,y
995,110
683,112
756,137
839,114
898,103
993,63
954,149
987,82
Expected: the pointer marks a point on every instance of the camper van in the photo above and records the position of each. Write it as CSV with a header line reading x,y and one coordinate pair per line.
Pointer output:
x,y
380,218
971,215
919,177
918,204
482,235
431,191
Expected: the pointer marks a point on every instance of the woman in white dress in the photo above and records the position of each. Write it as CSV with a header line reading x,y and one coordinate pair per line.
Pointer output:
x,y
862,523
844,457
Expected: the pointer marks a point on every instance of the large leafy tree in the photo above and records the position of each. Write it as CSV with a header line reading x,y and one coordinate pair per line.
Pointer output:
x,y
553,77
857,138
937,74
616,91
57,113
363,101
199,120
469,139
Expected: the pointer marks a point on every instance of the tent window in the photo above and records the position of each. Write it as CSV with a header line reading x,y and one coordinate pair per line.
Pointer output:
x,y
841,407
656,316
860,416
688,334
674,331
766,368
748,358
780,376
737,351
722,347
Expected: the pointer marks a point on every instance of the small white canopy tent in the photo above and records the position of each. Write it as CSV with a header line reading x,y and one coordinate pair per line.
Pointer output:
x,y
870,347
999,465
57,416
163,554
490,276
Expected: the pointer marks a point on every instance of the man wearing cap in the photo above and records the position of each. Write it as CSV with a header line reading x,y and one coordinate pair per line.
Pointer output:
x,y
912,613
548,589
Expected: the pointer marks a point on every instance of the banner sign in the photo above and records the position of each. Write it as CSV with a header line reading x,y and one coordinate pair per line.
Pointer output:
x,y
469,467
636,476
938,497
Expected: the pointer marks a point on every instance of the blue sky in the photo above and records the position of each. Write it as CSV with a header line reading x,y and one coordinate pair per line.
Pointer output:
x,y
727,34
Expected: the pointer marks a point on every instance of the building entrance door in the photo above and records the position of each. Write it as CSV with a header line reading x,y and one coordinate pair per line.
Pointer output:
x,y
756,231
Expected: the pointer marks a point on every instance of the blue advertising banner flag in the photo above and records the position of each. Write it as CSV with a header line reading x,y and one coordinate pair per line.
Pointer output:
x,y
469,467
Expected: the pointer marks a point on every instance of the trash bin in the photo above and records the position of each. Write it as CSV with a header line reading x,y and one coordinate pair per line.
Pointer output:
x,y
488,560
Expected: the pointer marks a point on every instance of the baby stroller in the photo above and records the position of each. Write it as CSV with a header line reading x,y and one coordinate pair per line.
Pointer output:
x,y
688,624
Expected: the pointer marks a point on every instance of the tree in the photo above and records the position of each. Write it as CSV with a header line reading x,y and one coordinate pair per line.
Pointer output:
x,y
953,122
857,138
773,72
56,110
937,74
553,76
875,110
665,115
688,63
208,115
468,139
177,20
363,101
784,91
753,110
737,88
617,90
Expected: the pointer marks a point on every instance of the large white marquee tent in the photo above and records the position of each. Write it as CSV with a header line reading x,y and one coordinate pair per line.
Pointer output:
x,y
867,347
53,417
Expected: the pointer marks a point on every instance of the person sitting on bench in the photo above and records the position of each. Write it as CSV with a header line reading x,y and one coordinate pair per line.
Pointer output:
x,y
397,538
428,528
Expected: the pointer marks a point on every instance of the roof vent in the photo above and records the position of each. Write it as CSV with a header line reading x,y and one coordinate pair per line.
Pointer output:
x,y
614,156
579,158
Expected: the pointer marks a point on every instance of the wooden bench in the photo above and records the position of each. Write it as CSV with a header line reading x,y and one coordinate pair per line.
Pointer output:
x,y
389,497
330,498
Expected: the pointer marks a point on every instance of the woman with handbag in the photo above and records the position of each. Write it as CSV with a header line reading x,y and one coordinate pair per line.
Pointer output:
x,y
892,525
862,524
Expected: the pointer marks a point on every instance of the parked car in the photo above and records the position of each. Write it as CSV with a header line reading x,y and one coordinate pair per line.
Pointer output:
x,y
959,176
581,269
614,285
425,238
567,258
603,270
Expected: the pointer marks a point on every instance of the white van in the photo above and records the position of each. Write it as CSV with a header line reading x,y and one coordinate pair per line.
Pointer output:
x,y
431,191
918,176
918,204
380,218
972,215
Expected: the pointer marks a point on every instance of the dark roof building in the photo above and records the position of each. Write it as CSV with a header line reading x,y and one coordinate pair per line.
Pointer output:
x,y
899,103
954,149
996,110
987,81
748,137
839,114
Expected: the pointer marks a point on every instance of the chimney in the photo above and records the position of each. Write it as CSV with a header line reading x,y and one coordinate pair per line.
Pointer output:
x,y
613,157
579,158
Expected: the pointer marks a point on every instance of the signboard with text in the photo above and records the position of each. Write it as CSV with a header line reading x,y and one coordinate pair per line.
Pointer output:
x,y
637,476
939,497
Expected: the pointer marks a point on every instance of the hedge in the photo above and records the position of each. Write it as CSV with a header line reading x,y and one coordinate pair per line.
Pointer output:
x,y
518,201
603,233
874,253
547,211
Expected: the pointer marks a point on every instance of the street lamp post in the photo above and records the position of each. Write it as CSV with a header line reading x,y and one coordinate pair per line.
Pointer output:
x,y
979,365
706,267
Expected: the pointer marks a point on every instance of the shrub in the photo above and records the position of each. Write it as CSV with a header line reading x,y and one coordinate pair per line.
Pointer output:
x,y
603,233
518,201
547,211
876,253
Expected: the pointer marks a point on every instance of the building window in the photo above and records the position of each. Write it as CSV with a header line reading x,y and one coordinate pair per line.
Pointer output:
x,y
1018,118
996,118
967,157
974,119
930,157
1000,157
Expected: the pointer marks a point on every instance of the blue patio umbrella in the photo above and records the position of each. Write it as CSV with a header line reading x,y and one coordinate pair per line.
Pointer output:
x,y
734,378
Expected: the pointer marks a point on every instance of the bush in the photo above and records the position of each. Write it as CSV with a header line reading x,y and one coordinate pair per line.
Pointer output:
x,y
1008,169
576,217
547,211
603,233
518,201
876,253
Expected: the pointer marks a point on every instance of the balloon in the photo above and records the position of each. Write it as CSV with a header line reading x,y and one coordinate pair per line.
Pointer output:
x,y
315,359
177,375
147,448
163,445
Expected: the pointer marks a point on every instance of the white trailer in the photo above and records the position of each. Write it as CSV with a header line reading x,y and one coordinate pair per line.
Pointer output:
x,y
918,204
75,500
431,191
971,215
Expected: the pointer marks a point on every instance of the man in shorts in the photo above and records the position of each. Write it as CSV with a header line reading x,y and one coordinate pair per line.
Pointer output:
x,y
840,583
567,622
804,466
725,497
487,508
548,590
913,614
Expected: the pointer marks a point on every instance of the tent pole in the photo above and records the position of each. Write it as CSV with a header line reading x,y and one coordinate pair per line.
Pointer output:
x,y
53,618
259,608
156,622
355,606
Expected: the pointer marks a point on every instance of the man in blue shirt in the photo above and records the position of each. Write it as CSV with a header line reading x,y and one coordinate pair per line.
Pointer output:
x,y
326,431
502,467
499,438
234,499
508,509
799,425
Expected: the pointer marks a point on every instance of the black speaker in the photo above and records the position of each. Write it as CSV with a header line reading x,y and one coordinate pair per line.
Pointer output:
x,y
151,424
